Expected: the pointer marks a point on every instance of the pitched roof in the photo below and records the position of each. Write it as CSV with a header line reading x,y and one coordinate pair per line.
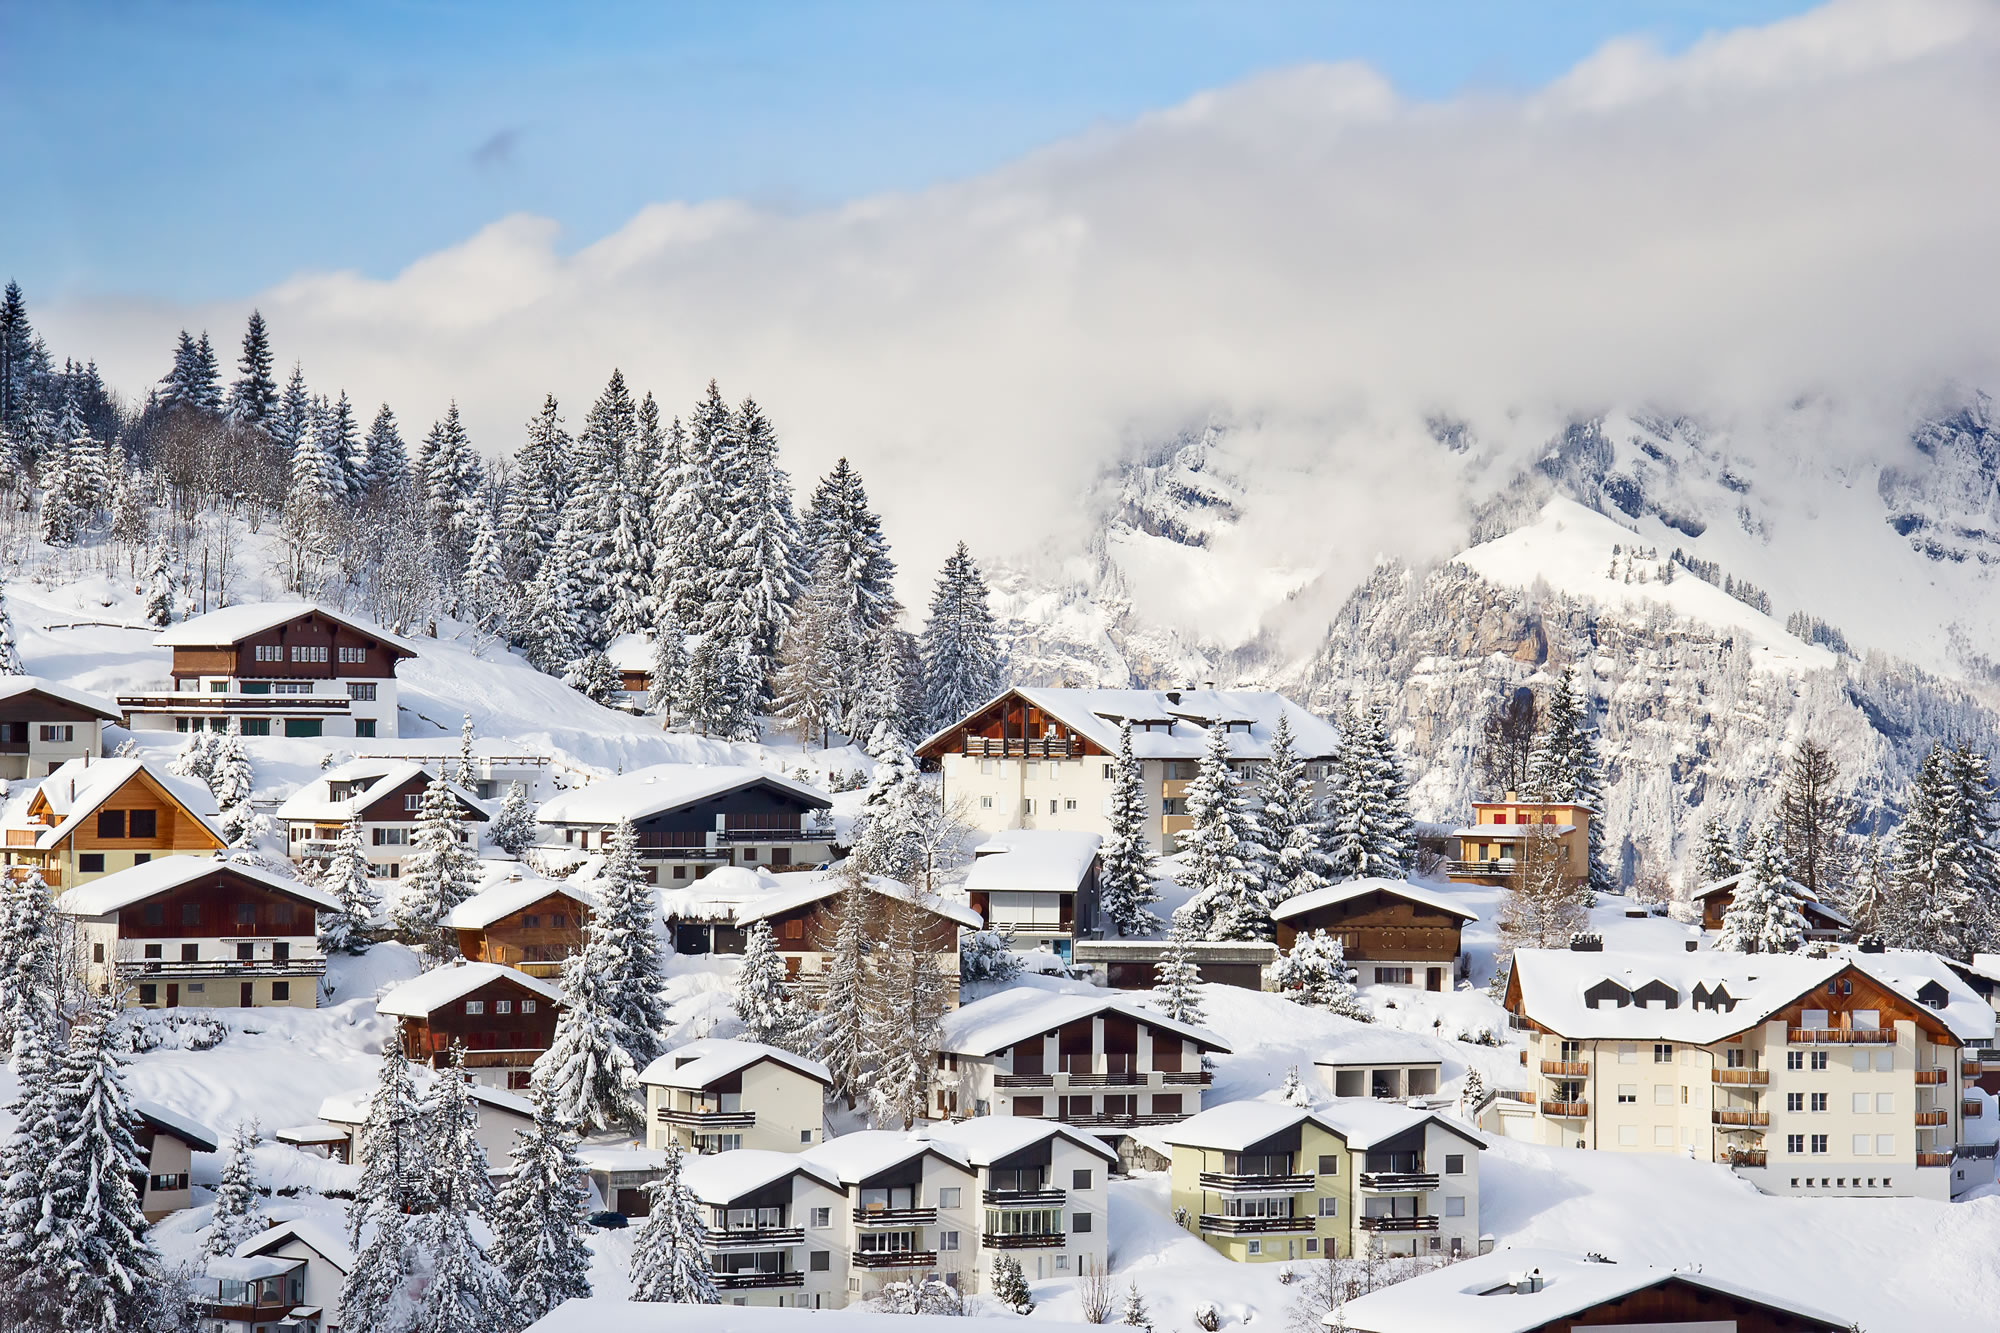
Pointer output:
x,y
868,1152
425,994
233,624
711,1059
163,874
1359,1122
645,792
382,776
985,1139
351,1107
509,894
1476,1296
1354,888
329,1245
14,686
1045,860
720,1178
811,888
631,652
1096,715
189,1131
1001,1019
75,790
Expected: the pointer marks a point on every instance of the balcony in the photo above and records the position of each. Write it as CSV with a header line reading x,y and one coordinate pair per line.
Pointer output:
x,y
171,968
494,1059
1024,1080
1018,747
1258,1226
1748,1157
1932,1119
1566,1068
1048,1240
1930,1078
1971,1108
1399,1224
752,1281
1222,1182
1023,1198
1969,1069
754,1238
1841,1036
208,701
1481,869
1197,1078
1403,1182
1566,1110
667,1115
1753,1078
1109,1078
1133,1121
1740,1119
876,1260
895,1217
1933,1159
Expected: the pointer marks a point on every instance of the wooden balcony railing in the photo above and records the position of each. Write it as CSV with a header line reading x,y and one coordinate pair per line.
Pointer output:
x,y
1023,1198
1756,1078
1046,1240
1566,1110
706,1119
222,967
1399,1224
1932,1119
1019,747
1566,1068
875,1260
1223,1182
1484,869
896,1217
1930,1078
1972,1108
1969,1069
1257,1226
1841,1036
751,1281
1128,1121
1402,1182
1740,1119
1933,1159
723,1238
1748,1157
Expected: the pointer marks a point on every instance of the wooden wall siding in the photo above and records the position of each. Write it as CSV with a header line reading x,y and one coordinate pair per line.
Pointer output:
x,y
784,811
810,929
35,706
1015,718
488,1031
1717,905
1381,926
1674,1301
240,659
511,940
215,901
174,830
389,809
1890,1007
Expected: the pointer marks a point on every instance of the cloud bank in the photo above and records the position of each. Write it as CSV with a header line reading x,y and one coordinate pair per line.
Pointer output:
x,y
1804,209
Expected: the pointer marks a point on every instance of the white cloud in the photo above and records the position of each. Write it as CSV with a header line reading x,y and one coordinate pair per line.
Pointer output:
x,y
1806,208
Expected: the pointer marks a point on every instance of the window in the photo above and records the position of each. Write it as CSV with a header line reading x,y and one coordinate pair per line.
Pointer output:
x,y
1819,1144
1079,1224
218,687
391,837
1819,1101
986,803
1052,805
90,863
1628,1136
1663,1054
1862,1143
1628,1092
1663,1094
1329,1165
1454,1164
1885,1145
270,652
1795,1143
1795,1101
413,800
1885,1062
1079,1180
1885,1103
153,951
475,1006
1329,1206
1861,1061
364,726
348,654
819,1261
97,953
143,823
303,728
1862,1102
281,990
254,687
805,1136
256,726
947,1240
110,823
1174,805
190,953
527,1006
149,994
503,1006
1110,772
58,733
1795,1059
1454,1205
363,690
1819,1059
822,1217
1663,1136
245,952
1628,1054
291,687
309,652
1068,806
948,1197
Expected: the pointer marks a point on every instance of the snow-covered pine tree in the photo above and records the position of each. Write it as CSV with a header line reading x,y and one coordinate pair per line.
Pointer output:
x,y
1764,915
374,1295
1470,1094
551,625
1814,811
909,998
389,479
1717,857
694,579
718,695
31,1265
10,654
1979,832
538,1218
253,397
669,670
389,1148
669,1262
1292,1092
1368,825
159,589
624,934
1179,986
1288,815
236,1215
840,528
766,546
889,831
513,828
1125,876
485,592
536,486
465,1293
618,581
614,1022
595,678
232,782
1010,1285
451,483
1135,1315
1315,972
30,967
1220,862
887,688
812,693
287,423
764,999
962,663
839,1027
440,873
189,384
1931,901
345,930
1564,767
344,443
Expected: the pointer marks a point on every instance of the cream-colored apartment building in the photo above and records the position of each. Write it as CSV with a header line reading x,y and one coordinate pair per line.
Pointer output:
x,y
1836,1075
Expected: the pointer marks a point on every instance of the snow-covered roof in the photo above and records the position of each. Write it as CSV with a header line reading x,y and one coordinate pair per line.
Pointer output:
x,y
1032,860
329,1245
185,1128
645,792
234,1269
999,1020
508,895
351,1107
869,1152
1553,982
1234,1126
718,895
811,888
601,1314
1364,1122
631,652
382,776
720,1178
1805,895
1097,714
163,874
423,995
1355,888
1510,832
983,1140
233,624
14,686
78,787
1374,1044
709,1060
1479,1295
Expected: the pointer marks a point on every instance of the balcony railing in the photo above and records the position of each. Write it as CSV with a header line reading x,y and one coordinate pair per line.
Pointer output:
x,y
1566,1110
1933,1159
1223,1182
1399,1224
1193,1078
1930,1078
875,1260
1047,1240
668,1115
1023,1198
1755,1078
1112,1078
1932,1119
723,1238
1255,1226
1740,1119
1489,869
1400,1181
751,1281
1024,1080
1841,1036
1972,1108
307,966
896,1217
1748,1157
1133,1121
1019,747
1969,1069
1566,1068
495,1059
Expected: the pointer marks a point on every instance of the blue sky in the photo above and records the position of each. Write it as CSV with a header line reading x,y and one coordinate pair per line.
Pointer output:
x,y
199,152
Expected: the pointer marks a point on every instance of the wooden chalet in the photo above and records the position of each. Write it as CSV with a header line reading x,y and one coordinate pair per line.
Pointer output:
x,y
96,817
524,922
804,921
1822,922
44,725
1393,933
502,1017
1489,850
387,795
692,818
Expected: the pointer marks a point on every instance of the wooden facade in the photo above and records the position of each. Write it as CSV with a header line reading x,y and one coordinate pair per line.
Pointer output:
x,y
312,631
1715,905
1012,727
1381,926
111,826
1677,1303
810,929
218,904
502,1023
535,939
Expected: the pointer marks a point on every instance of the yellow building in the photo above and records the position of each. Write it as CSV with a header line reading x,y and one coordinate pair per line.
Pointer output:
x,y
1489,848
92,818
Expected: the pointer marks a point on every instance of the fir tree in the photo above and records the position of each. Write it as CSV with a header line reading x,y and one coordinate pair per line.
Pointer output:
x,y
345,930
31,1259
389,1148
17,359
1135,1309
450,482
235,1217
765,545
232,783
30,967
596,679
1288,816
1010,1285
718,694
962,662
1220,852
485,592
812,689
1315,972
909,998
287,423
1179,987
513,829
10,655
389,479
1564,767
1764,915
1814,812
888,690
538,1218
552,627
439,875
670,666
159,590
891,830
191,382
1717,857
1292,1092
764,1000
373,1296
467,772
839,1028
1369,828
1125,877
590,1076
349,453
623,933
669,1262
466,1293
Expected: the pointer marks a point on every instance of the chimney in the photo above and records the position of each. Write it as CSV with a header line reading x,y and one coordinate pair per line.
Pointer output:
x,y
1582,942
1510,798
1872,944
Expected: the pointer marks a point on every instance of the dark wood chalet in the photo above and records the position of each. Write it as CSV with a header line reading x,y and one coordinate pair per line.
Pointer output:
x,y
1822,922
1012,727
1393,933
528,924
502,1017
693,817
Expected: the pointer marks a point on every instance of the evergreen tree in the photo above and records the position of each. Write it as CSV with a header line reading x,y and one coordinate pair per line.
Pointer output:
x,y
888,696
839,1028
538,1218
905,1019
552,627
1125,877
466,774
207,375
10,655
191,382
1871,898
389,479
389,1148
670,667
1369,826
450,480
596,679
440,873
812,690
373,1296
693,527
765,545
1010,1285
159,590
1978,830
669,1262
232,783
1315,972
1135,1309
345,930
888,837
763,994
1220,852
962,662
719,695
513,829
1717,857
617,582
32,1286
235,1217
317,480
537,485
1814,812
843,534
466,1293
590,1076
345,446
1288,816
1764,915
1292,1092
1179,986
485,593
17,358
1565,768
30,967
624,934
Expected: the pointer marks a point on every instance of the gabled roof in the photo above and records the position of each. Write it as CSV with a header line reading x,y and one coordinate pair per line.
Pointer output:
x,y
1365,1122
163,874
424,995
711,1059
163,1121
1097,714
14,686
1808,900
1234,1126
383,776
855,1157
631,652
812,888
1001,1019
719,1179
1334,894
986,1139
233,624
1477,1296
351,1107
1032,860
646,792
508,895
329,1245
75,790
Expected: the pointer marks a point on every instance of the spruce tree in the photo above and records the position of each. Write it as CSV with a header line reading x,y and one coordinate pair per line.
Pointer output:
x,y
1010,1285
31,952
374,1294
513,829
1871,897
1932,904
1125,873
844,545
10,653
719,697
595,678
839,1027
1814,812
766,546
31,1259
159,590
617,582
345,930
888,836
1565,768
1292,1092
670,668
694,580
1764,915
812,689
17,361
669,1262
623,932
1220,852
887,690
450,482
287,423
349,452
1717,858
389,480
590,1076
551,626
1288,815
1178,989
1135,1309
465,1293
764,1000
389,1148
537,485
538,1218
440,873
1369,830
485,592
962,662
235,1216
1315,972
